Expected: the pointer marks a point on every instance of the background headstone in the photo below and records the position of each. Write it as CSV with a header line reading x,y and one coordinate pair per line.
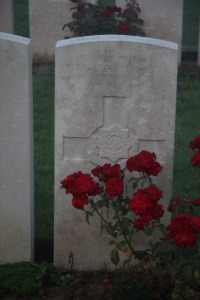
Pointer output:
x,y
47,18
108,86
16,166
162,19
6,16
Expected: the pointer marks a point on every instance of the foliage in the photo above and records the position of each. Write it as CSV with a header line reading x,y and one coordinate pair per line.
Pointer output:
x,y
43,116
19,278
96,19
26,279
139,284
177,252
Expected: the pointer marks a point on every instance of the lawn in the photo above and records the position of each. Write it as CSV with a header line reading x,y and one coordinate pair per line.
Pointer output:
x,y
185,181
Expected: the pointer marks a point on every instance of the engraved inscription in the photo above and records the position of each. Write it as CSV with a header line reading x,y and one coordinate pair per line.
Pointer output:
x,y
109,71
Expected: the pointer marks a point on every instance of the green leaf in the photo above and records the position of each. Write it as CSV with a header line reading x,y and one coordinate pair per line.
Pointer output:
x,y
110,230
121,245
135,184
125,223
112,242
87,215
162,229
114,257
148,231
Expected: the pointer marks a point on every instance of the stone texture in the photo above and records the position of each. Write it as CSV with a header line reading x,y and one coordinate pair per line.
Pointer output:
x,y
47,18
115,96
162,19
6,16
16,178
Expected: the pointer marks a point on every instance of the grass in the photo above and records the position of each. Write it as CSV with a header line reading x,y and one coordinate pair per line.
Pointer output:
x,y
185,181
21,17
191,22
43,91
190,29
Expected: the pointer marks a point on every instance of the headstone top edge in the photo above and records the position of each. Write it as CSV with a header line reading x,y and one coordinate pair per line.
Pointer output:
x,y
14,38
116,38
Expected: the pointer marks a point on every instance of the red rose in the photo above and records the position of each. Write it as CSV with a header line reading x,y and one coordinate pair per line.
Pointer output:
x,y
196,223
107,281
173,203
113,8
86,185
79,201
118,9
170,207
186,238
106,14
140,203
197,201
107,171
144,162
158,210
114,187
195,144
111,171
182,230
181,222
123,27
68,182
143,221
98,172
154,193
195,160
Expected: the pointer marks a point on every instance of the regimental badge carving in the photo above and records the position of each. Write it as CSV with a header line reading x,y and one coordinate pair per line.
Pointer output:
x,y
113,144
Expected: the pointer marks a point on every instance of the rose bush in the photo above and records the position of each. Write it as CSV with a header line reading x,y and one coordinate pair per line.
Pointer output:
x,y
105,188
104,192
94,19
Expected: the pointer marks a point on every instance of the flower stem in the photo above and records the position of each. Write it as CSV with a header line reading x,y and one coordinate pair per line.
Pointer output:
x,y
122,230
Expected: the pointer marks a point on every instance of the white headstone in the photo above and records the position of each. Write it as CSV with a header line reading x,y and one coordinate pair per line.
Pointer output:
x,y
162,19
16,167
120,85
6,16
47,18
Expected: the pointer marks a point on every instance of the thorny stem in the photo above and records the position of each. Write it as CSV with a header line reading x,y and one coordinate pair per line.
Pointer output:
x,y
96,210
123,233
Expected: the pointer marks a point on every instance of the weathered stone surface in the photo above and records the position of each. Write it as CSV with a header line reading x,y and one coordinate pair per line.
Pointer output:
x,y
47,18
115,96
16,178
162,19
6,16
